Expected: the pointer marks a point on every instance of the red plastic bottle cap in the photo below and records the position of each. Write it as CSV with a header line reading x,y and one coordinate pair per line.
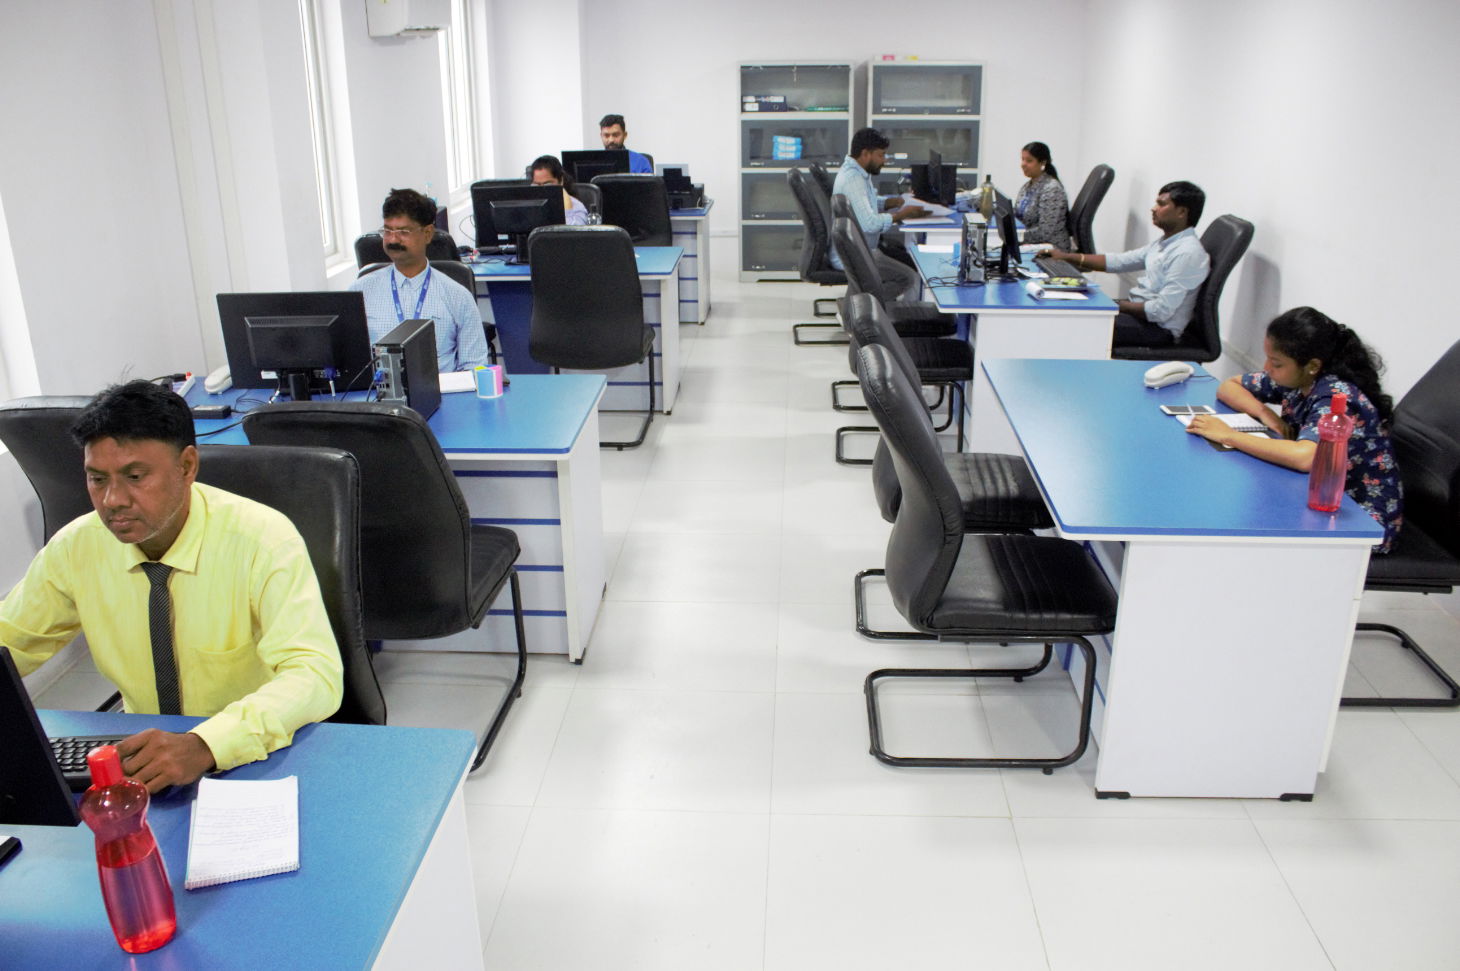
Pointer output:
x,y
1339,404
105,765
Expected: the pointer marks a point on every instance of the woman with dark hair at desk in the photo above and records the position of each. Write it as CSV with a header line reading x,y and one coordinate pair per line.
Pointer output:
x,y
547,170
1309,358
1041,204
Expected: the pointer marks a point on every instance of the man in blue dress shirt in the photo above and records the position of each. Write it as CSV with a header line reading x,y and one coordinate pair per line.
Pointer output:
x,y
409,290
875,216
1164,298
612,130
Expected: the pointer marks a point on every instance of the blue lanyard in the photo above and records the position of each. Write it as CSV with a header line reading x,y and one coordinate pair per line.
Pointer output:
x,y
400,315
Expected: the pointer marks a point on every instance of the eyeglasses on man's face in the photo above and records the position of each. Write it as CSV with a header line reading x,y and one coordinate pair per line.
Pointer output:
x,y
387,232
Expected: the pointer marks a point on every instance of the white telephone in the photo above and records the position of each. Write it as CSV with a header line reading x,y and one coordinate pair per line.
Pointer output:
x,y
1168,372
218,380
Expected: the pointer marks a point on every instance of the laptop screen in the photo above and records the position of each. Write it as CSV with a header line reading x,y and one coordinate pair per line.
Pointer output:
x,y
32,791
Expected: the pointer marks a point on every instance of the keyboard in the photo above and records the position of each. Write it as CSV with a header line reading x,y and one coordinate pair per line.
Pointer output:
x,y
1055,267
71,751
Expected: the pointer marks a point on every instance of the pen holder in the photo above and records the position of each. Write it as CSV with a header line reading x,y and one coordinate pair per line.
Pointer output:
x,y
489,381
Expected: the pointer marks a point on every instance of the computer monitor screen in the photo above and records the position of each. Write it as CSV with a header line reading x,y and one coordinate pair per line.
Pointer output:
x,y
584,165
515,210
1009,235
32,791
307,343
935,182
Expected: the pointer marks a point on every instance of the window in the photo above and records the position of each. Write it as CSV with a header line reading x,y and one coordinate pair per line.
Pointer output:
x,y
458,95
326,173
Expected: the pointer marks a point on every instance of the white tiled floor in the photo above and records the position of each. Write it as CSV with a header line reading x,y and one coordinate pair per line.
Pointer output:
x,y
698,794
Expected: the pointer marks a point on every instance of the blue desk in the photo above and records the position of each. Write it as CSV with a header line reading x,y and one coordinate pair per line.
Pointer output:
x,y
385,869
529,461
504,292
1006,322
1237,602
692,234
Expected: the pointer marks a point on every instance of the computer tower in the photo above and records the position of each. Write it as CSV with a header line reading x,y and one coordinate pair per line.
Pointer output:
x,y
407,363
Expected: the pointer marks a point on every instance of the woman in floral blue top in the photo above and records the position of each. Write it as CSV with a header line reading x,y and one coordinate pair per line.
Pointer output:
x,y
1309,359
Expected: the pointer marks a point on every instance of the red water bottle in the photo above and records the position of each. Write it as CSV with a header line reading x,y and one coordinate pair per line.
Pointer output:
x,y
134,882
1330,462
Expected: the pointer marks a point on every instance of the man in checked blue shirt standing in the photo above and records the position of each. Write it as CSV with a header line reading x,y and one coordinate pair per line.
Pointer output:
x,y
1176,265
865,158
409,290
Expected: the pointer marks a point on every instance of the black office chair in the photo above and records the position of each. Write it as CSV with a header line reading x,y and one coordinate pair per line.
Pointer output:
x,y
815,265
1425,557
648,158
1081,216
944,362
370,248
587,307
640,205
318,489
590,195
824,180
1225,240
910,318
463,275
973,587
37,431
997,492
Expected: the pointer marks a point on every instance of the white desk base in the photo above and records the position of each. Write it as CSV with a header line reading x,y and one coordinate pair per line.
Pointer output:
x,y
1235,700
626,385
692,234
437,921
1078,334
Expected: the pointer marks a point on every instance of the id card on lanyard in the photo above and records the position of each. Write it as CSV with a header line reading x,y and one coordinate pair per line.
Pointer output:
x,y
400,314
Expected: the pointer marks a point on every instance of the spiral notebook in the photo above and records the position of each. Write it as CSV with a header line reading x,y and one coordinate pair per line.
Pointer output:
x,y
242,829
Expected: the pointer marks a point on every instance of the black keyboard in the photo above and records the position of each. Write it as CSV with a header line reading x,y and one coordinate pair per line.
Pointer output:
x,y
1055,267
71,752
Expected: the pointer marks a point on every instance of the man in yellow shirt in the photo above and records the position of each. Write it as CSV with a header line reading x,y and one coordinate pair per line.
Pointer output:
x,y
193,600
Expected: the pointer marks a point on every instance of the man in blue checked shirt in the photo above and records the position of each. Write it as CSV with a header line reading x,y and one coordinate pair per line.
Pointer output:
x,y
865,158
409,290
1164,298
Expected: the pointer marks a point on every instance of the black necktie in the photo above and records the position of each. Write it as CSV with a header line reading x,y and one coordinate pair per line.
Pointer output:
x,y
159,624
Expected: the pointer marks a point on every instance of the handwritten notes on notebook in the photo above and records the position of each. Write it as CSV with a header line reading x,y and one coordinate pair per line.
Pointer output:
x,y
243,829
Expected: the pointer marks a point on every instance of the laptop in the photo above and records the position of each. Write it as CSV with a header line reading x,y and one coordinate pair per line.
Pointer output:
x,y
32,789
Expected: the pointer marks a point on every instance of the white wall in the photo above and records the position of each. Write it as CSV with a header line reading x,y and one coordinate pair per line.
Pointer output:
x,y
1331,126
538,79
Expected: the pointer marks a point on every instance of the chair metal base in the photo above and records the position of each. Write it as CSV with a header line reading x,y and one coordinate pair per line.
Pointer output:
x,y
955,416
648,417
859,595
839,339
818,311
841,437
836,402
515,691
1048,765
1453,701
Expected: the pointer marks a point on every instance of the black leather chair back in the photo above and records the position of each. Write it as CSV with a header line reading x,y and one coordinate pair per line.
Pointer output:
x,y
815,265
370,248
824,180
588,194
319,490
415,530
638,204
457,270
841,208
37,431
1426,434
587,308
861,268
928,531
1081,217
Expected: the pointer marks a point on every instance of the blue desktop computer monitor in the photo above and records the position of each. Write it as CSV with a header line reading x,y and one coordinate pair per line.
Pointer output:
x,y
584,165
515,211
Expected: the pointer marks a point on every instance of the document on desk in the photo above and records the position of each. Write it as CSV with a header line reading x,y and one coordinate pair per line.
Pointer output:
x,y
242,829
1237,422
1038,292
453,381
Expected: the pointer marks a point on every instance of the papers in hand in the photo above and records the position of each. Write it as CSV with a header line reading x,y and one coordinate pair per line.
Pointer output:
x,y
242,829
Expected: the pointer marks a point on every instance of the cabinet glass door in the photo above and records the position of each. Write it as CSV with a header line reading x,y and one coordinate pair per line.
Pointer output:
x,y
927,89
956,141
770,248
767,195
819,141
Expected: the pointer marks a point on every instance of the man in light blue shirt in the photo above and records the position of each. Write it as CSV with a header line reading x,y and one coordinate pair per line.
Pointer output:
x,y
1164,298
875,216
410,290
613,131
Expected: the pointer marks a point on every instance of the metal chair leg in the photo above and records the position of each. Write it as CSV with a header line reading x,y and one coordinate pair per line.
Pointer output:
x,y
841,436
836,402
816,308
515,691
648,418
860,596
840,339
1453,701
1048,765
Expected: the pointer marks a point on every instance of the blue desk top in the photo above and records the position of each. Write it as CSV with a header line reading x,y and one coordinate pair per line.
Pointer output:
x,y
370,798
654,261
1112,464
538,413
993,296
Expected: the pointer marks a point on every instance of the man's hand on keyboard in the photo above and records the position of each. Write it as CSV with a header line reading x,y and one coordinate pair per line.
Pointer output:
x,y
159,759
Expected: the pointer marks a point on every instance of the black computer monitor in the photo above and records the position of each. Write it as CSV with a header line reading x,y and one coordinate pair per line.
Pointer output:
x,y
515,211
1009,252
308,342
584,165
32,790
935,182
